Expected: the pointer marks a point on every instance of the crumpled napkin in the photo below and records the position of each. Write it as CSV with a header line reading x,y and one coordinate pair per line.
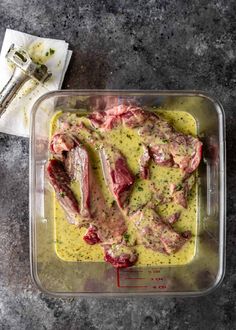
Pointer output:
x,y
51,52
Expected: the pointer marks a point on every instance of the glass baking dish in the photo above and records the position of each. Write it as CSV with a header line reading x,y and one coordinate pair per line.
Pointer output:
x,y
200,276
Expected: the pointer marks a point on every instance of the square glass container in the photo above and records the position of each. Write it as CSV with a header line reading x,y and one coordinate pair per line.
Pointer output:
x,y
200,276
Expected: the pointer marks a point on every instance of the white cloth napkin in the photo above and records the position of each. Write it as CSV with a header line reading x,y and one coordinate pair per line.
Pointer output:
x,y
52,52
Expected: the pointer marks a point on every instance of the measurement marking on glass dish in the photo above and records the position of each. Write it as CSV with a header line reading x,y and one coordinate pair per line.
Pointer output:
x,y
133,278
120,278
132,271
127,286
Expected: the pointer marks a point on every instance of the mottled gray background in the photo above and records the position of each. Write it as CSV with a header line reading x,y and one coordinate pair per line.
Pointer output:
x,y
166,44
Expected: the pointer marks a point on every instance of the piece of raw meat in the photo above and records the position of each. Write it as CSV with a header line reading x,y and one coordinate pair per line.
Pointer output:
x,y
60,181
169,147
68,148
144,163
120,255
118,114
61,142
161,155
186,152
91,236
179,192
173,218
117,174
156,234
77,166
107,228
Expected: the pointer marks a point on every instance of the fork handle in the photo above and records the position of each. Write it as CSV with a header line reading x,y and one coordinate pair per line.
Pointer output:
x,y
10,90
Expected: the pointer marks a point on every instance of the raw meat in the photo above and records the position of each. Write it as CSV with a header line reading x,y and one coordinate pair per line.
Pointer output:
x,y
60,181
117,174
144,163
106,224
61,142
91,236
115,116
186,152
180,192
77,166
68,148
120,255
156,234
173,218
167,146
108,221
161,155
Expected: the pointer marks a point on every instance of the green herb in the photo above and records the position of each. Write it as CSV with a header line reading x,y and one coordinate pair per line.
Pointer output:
x,y
57,241
95,168
129,136
178,187
47,53
140,188
51,51
62,194
126,237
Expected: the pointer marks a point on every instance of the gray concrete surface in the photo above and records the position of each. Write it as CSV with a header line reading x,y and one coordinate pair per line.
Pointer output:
x,y
120,44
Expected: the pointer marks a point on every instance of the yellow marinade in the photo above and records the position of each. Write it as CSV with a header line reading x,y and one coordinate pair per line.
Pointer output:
x,y
69,243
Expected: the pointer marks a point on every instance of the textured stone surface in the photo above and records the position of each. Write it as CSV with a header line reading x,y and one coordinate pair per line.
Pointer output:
x,y
148,44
